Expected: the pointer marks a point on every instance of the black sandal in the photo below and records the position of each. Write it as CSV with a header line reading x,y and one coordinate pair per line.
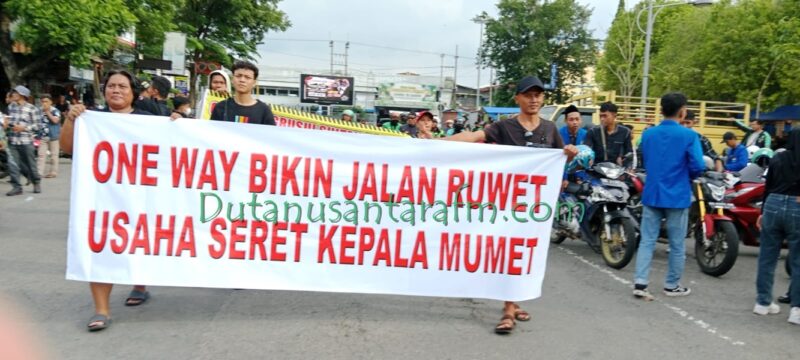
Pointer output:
x,y
101,320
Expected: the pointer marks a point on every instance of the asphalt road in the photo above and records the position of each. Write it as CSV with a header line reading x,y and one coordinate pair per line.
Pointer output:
x,y
587,311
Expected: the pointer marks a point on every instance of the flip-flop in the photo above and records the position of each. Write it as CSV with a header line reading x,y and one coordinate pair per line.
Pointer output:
x,y
104,321
503,326
138,298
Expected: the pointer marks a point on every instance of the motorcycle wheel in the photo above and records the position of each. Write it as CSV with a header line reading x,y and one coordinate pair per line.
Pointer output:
x,y
718,258
618,247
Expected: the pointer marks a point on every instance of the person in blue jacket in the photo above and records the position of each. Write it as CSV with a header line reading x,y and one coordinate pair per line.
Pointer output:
x,y
737,154
672,158
572,133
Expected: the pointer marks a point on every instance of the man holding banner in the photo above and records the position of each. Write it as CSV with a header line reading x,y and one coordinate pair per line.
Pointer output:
x,y
242,107
526,129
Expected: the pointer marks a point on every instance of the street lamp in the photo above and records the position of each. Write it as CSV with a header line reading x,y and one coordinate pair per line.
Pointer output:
x,y
479,19
649,32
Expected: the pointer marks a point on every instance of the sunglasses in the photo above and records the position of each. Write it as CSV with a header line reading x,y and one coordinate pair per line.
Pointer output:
x,y
529,140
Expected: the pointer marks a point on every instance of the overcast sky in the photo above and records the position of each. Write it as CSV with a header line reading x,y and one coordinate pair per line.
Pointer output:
x,y
429,26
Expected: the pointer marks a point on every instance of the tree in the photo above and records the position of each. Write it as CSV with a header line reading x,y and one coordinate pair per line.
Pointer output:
x,y
154,19
221,30
71,30
619,68
746,51
529,35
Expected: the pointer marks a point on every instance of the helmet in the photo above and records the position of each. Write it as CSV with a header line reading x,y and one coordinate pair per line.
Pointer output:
x,y
348,112
751,150
762,157
584,158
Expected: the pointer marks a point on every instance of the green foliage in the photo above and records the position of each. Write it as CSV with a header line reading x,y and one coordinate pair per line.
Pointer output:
x,y
742,51
154,18
72,29
529,35
219,30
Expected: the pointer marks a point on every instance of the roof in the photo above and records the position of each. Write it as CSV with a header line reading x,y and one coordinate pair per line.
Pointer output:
x,y
786,112
500,110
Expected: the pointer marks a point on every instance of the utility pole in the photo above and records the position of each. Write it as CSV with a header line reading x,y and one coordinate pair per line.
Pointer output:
x,y
491,86
455,79
441,73
339,59
346,48
331,45
479,20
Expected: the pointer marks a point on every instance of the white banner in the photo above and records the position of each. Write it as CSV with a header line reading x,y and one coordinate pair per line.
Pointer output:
x,y
228,205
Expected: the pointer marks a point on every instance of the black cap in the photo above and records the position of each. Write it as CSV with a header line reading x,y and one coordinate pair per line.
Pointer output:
x,y
529,82
728,136
571,109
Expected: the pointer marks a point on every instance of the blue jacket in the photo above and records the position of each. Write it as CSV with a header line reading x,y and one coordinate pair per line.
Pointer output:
x,y
737,158
672,158
578,138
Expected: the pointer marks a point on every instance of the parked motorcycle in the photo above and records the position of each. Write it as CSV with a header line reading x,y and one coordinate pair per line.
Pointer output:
x,y
596,211
716,238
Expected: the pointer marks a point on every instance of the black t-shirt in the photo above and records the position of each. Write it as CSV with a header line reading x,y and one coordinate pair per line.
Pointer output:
x,y
151,106
134,112
511,132
617,144
229,110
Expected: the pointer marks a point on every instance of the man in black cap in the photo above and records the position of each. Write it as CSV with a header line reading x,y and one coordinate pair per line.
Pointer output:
x,y
524,129
737,154
572,133
609,141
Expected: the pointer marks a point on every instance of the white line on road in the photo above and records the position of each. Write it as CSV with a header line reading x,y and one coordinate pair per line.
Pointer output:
x,y
684,314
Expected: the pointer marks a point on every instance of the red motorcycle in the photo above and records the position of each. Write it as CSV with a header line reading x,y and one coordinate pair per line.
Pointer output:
x,y
743,198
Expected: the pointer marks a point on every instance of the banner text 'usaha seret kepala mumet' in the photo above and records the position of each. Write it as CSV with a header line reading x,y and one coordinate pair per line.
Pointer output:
x,y
213,204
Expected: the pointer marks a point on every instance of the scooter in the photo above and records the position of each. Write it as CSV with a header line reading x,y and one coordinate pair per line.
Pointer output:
x,y
596,211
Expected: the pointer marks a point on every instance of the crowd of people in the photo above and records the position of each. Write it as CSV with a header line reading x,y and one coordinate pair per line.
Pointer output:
x,y
672,154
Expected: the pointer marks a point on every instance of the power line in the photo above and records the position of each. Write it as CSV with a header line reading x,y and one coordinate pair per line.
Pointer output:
x,y
374,46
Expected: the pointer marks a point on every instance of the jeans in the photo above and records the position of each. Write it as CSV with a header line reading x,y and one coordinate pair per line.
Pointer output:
x,y
677,220
26,158
47,146
13,169
780,220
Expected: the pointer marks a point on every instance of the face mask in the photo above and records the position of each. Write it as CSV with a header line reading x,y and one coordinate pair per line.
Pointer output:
x,y
188,113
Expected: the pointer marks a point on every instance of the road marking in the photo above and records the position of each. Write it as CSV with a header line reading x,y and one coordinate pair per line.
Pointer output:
x,y
682,313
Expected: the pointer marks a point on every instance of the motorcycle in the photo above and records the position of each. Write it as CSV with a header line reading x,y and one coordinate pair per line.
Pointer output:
x,y
596,211
716,237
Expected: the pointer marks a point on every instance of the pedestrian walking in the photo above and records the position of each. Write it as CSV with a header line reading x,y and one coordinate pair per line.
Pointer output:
x,y
672,158
119,88
24,123
243,107
779,220
49,131
526,129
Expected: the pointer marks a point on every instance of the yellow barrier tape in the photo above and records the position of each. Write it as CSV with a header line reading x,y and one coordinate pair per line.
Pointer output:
x,y
288,117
